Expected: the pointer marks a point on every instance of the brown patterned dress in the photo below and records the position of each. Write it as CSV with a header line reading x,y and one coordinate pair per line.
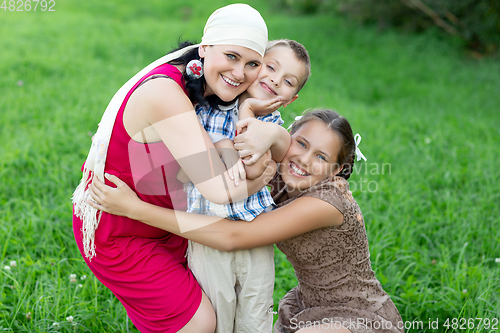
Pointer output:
x,y
337,285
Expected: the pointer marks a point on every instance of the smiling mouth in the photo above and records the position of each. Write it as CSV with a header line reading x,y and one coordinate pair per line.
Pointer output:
x,y
267,88
230,82
297,170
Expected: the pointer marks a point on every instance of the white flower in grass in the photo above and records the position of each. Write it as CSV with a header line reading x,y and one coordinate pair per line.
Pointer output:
x,y
72,278
7,268
70,319
56,325
497,260
464,291
80,285
83,277
13,263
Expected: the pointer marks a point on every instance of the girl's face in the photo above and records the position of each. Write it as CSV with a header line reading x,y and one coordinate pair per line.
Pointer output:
x,y
311,158
280,75
229,69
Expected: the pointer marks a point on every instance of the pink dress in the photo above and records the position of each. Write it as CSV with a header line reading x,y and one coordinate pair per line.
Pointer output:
x,y
145,267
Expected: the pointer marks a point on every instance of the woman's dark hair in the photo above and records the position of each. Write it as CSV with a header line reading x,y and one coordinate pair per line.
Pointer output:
x,y
342,128
195,87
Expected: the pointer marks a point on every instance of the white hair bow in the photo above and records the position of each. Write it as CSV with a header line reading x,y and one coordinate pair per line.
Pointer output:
x,y
296,118
359,154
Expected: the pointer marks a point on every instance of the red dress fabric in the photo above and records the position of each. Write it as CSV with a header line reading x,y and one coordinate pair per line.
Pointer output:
x,y
145,267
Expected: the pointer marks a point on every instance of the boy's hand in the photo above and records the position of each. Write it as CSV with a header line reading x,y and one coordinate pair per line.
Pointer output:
x,y
262,107
231,159
234,165
254,139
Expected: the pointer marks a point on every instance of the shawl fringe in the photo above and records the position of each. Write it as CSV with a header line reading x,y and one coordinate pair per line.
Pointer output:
x,y
89,215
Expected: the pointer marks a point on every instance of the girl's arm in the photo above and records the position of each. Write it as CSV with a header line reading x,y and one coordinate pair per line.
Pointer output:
x,y
170,113
301,215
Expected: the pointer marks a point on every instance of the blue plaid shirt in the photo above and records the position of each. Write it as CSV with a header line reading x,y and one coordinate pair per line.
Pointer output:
x,y
221,124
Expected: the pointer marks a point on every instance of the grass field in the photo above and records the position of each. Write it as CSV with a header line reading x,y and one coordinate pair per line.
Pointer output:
x,y
428,114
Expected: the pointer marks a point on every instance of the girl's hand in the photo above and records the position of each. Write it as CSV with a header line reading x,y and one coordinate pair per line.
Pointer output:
x,y
119,200
255,141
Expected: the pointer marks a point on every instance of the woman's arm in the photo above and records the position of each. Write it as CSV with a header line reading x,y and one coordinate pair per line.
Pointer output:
x,y
170,113
301,215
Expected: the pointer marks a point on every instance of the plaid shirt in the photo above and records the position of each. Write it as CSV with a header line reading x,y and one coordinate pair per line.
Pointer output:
x,y
221,124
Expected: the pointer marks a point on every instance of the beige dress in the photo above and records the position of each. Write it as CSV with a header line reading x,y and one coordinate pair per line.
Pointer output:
x,y
337,286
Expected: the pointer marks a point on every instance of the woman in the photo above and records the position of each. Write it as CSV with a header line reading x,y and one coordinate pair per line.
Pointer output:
x,y
317,224
149,131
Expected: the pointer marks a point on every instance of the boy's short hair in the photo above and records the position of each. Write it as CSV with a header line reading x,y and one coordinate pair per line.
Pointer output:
x,y
300,52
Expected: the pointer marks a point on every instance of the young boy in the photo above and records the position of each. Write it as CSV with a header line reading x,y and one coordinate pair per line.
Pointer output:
x,y
240,284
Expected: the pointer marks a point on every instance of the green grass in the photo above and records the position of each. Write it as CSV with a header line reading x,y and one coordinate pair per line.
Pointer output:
x,y
421,105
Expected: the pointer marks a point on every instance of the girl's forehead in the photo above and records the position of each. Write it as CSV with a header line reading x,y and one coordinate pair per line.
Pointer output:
x,y
320,137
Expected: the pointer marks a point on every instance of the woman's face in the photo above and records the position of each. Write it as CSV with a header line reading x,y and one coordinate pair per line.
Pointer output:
x,y
311,158
229,69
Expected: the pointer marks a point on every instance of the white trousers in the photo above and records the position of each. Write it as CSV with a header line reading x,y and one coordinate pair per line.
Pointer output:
x,y
239,284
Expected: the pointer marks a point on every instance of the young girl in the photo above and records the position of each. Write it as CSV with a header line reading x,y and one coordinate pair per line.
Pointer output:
x,y
317,224
147,132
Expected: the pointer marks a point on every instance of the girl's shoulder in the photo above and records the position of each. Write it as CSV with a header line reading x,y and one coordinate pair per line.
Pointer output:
x,y
332,190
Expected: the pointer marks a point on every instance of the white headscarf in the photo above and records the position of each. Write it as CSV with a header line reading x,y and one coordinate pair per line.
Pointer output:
x,y
237,24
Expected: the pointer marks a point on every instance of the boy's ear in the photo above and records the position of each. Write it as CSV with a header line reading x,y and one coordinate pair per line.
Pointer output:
x,y
291,100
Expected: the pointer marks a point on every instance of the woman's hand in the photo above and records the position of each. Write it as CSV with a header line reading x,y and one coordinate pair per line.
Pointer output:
x,y
119,200
255,141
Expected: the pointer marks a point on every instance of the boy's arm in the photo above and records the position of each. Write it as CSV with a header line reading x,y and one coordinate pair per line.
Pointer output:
x,y
254,135
255,170
234,164
253,107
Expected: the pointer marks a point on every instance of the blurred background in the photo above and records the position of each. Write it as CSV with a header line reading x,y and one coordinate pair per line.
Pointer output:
x,y
418,79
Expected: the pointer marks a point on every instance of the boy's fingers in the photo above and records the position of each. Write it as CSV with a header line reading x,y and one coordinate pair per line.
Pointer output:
x,y
234,169
243,153
251,159
243,174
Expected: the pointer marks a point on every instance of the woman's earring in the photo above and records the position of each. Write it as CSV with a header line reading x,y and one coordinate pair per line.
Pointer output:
x,y
194,69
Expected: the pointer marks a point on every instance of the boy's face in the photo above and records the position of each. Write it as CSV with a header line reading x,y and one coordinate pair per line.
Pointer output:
x,y
280,75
